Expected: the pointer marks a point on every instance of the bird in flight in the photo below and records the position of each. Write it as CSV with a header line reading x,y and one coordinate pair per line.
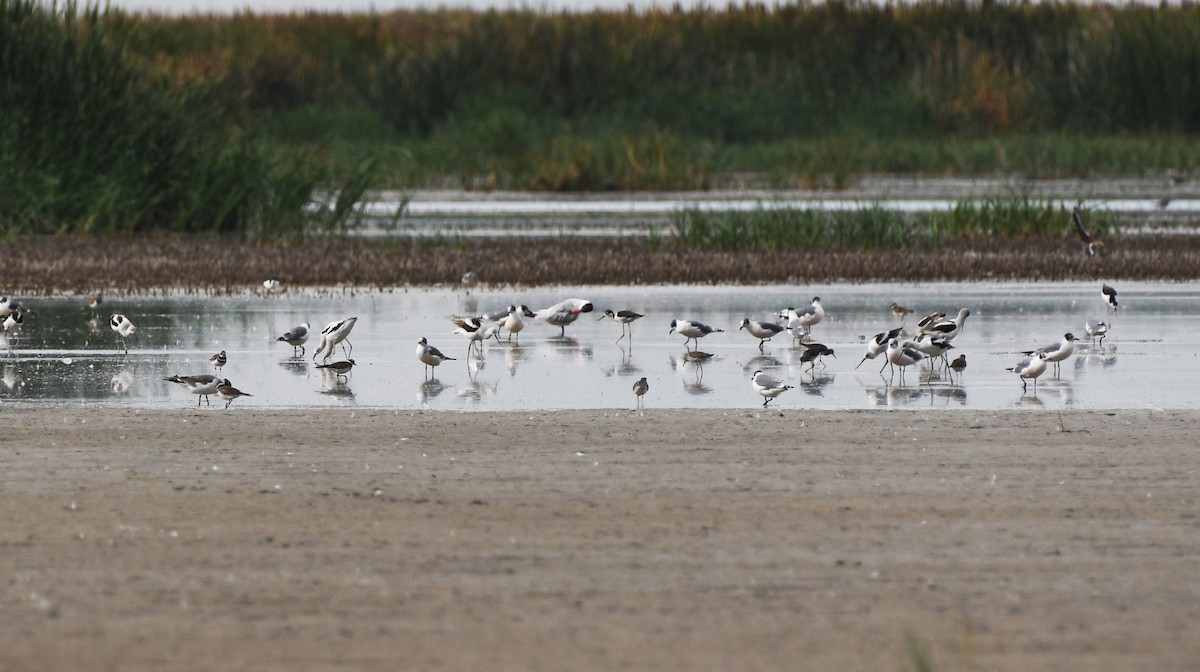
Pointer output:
x,y
1091,246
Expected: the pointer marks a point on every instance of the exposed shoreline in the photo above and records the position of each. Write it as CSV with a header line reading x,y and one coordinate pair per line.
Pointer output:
x,y
376,539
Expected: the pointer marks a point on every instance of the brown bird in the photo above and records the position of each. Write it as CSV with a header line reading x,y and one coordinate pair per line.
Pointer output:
x,y
219,360
900,311
228,392
640,388
1091,246
959,365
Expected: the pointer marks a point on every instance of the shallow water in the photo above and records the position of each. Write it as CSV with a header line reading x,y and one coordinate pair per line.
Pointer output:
x,y
1148,361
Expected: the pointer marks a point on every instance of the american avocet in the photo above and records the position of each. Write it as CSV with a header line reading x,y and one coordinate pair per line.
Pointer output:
x,y
228,392
1057,352
763,331
334,333
201,385
340,368
123,328
564,313
768,386
1091,246
1030,368
625,318
296,337
927,322
878,345
430,356
692,330
476,330
949,329
640,388
933,347
1110,298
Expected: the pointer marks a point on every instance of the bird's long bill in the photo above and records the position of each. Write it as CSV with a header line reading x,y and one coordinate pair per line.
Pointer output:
x,y
860,363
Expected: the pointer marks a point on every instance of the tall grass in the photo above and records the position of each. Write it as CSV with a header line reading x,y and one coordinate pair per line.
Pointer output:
x,y
91,141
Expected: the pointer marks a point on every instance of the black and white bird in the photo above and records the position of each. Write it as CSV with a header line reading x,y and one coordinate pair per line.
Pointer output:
x,y
640,388
1091,246
1096,329
564,313
123,328
800,322
477,330
763,331
335,332
692,330
296,337
340,368
878,344
430,356
768,386
228,392
1030,368
902,356
927,322
219,360
813,353
1057,352
625,318
1110,298
948,329
514,321
202,385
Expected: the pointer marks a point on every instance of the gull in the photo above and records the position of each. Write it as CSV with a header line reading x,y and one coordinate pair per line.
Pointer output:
x,y
564,312
878,345
339,368
768,386
514,320
1030,367
202,385
476,330
1110,298
692,330
334,333
958,366
122,327
625,319
228,392
763,331
900,311
296,337
1094,329
949,329
640,388
430,356
1057,352
800,322
902,356
1091,246
219,360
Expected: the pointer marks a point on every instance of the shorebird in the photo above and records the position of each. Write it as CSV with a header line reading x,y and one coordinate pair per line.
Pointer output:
x,y
430,356
202,385
564,312
219,360
1110,298
1057,352
928,321
1091,246
900,311
625,319
768,386
514,321
476,330
1030,368
470,280
296,337
692,330
958,366
763,331
228,392
271,286
640,388
334,333
1096,329
949,329
800,322
12,326
878,345
8,306
814,352
902,356
931,346
340,368
94,301
123,328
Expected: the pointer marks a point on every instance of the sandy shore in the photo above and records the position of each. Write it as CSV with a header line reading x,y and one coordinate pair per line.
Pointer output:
x,y
239,540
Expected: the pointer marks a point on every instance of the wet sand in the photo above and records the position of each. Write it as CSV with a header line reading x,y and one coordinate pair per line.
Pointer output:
x,y
257,540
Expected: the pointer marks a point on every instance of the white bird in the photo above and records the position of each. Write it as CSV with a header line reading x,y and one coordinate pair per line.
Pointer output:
x,y
202,385
514,321
768,386
430,356
270,286
1110,298
228,392
931,346
623,318
334,333
122,327
763,331
476,330
564,312
470,280
1057,352
692,330
8,306
296,337
1030,368
902,356
1096,329
949,329
928,321
878,345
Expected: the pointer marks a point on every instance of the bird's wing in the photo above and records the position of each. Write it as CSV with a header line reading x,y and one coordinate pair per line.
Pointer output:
x,y
1077,219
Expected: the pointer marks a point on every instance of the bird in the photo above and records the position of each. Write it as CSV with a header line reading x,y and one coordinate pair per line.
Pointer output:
x,y
768,386
800,322
271,286
94,301
476,330
8,306
1096,329
958,366
814,352
931,346
692,330
902,356
201,385
949,329
639,389
335,332
429,355
296,337
228,392
1057,352
1030,368
878,345
470,280
123,328
1110,298
514,321
341,368
564,313
1091,246
219,360
624,318
763,331
929,320
900,311
12,326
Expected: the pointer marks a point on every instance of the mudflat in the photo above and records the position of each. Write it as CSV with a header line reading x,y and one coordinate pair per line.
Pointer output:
x,y
373,539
